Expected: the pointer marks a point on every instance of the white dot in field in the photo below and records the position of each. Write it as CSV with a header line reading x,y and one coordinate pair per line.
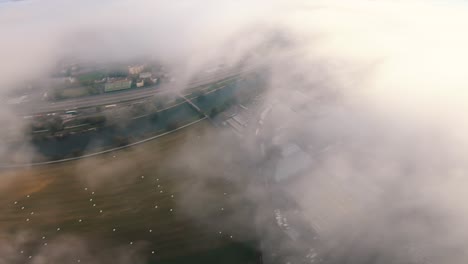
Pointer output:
x,y
78,261
27,219
142,176
21,251
91,199
28,196
225,193
30,257
92,193
170,210
85,189
80,220
43,237
32,213
94,205
150,230
131,243
172,196
45,244
152,252
58,229
220,232
156,206
22,208
222,208
16,202
113,230
100,211
231,236
157,179
159,185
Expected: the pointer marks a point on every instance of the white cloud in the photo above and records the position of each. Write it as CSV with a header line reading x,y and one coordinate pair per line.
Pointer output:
x,y
397,68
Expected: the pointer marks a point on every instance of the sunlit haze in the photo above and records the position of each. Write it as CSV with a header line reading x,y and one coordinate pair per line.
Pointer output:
x,y
233,131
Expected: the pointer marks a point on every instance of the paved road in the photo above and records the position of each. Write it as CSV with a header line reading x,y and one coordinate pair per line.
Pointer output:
x,y
37,107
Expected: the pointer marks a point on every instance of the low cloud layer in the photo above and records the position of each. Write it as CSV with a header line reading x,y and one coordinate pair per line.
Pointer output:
x,y
383,84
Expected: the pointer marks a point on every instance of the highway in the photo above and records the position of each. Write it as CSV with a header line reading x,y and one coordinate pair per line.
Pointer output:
x,y
40,106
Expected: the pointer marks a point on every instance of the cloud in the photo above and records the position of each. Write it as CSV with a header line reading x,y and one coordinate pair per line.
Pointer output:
x,y
383,84
395,121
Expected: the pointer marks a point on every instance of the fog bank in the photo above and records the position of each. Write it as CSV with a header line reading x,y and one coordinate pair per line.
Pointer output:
x,y
383,84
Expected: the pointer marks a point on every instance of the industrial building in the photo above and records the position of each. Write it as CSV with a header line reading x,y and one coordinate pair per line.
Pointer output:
x,y
117,85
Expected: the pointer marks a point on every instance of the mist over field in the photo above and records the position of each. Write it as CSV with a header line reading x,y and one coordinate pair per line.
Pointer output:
x,y
384,84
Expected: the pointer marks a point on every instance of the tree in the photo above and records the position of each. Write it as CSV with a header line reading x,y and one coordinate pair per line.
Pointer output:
x,y
55,124
154,117
214,111
172,125
120,141
96,120
201,98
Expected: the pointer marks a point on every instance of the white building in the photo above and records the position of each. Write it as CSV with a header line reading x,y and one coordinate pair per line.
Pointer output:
x,y
145,75
140,84
135,69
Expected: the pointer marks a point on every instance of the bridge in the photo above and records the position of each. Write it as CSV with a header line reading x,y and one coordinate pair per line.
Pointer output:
x,y
198,109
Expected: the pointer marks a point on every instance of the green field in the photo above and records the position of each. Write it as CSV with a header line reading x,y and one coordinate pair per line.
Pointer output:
x,y
89,78
75,92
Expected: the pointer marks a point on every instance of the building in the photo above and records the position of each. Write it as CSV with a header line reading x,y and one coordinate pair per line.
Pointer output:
x,y
117,85
140,84
137,69
145,75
